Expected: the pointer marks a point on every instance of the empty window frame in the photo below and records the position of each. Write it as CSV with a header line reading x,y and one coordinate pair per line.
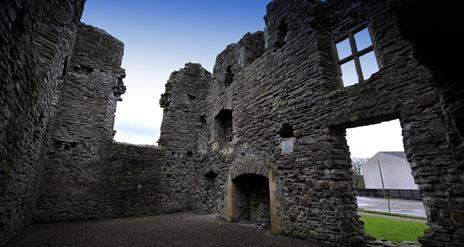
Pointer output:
x,y
356,57
228,76
223,122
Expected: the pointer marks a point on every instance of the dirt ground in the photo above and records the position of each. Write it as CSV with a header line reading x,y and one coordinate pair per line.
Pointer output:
x,y
182,229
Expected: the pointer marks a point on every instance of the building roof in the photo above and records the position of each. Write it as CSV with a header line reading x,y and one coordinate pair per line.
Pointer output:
x,y
398,154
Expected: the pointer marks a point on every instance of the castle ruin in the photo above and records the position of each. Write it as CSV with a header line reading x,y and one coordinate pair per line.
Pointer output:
x,y
261,138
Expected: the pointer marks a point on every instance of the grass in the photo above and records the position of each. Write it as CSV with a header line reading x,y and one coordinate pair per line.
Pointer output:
x,y
395,230
391,214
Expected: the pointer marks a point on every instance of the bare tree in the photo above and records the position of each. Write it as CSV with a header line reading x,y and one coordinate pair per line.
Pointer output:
x,y
358,180
358,163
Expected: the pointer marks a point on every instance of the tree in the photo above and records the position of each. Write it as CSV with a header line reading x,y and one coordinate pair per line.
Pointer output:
x,y
358,163
358,180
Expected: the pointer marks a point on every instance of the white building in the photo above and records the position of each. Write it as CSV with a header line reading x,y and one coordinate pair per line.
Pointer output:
x,y
396,172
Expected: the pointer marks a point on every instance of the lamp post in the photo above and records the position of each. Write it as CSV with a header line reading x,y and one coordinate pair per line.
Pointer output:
x,y
383,186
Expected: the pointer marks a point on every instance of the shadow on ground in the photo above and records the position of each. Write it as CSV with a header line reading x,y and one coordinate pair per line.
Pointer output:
x,y
183,229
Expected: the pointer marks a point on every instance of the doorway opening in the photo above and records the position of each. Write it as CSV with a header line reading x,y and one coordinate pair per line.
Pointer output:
x,y
384,183
253,199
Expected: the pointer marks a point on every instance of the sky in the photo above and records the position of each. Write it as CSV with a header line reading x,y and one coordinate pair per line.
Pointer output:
x,y
368,61
365,142
160,36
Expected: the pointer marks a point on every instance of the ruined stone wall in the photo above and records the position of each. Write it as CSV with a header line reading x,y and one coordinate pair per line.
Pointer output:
x,y
125,181
59,92
82,174
133,180
183,124
434,42
86,175
80,128
36,39
294,82
214,164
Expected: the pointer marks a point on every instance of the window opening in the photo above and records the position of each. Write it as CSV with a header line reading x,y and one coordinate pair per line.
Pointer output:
x,y
224,127
228,76
286,131
356,57
282,31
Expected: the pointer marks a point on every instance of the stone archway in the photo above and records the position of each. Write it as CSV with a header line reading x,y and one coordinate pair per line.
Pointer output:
x,y
251,195
252,199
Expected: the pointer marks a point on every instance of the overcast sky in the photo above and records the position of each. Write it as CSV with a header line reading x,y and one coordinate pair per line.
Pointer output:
x,y
161,36
366,141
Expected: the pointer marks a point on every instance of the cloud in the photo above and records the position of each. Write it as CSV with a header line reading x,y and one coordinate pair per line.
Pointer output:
x,y
365,142
134,139
136,133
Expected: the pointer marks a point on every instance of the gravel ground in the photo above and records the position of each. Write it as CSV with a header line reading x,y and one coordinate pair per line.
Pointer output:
x,y
182,229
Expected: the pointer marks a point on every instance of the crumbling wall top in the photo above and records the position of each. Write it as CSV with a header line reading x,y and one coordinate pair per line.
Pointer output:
x,y
100,50
238,55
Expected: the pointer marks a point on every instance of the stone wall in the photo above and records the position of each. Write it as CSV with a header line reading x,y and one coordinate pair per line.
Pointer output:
x,y
86,175
133,180
434,42
80,129
36,39
183,124
274,106
292,80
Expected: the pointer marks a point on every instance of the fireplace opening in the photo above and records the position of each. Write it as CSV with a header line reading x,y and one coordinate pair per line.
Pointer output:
x,y
253,199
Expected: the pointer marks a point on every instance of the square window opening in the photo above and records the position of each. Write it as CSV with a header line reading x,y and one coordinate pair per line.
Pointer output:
x,y
356,57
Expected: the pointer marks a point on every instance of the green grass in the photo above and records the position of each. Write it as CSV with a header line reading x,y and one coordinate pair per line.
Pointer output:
x,y
394,230
391,214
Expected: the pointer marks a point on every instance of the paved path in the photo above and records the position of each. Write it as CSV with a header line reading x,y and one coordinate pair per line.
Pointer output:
x,y
183,229
409,207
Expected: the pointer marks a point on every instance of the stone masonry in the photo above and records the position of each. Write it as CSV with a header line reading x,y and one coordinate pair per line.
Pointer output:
x,y
36,39
260,139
